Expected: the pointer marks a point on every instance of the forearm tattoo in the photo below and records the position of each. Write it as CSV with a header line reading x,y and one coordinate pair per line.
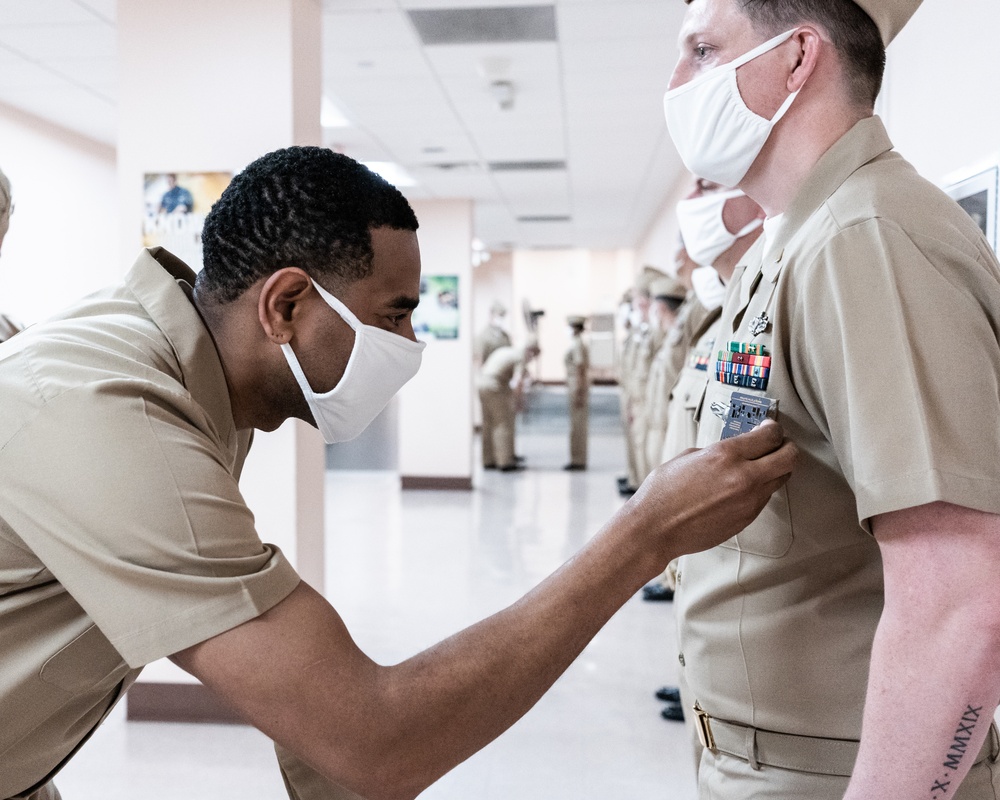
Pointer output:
x,y
959,745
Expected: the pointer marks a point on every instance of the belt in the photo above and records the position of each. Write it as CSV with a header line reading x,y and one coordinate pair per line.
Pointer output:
x,y
811,754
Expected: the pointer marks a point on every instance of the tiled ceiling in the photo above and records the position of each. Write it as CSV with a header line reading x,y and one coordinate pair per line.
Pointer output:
x,y
580,158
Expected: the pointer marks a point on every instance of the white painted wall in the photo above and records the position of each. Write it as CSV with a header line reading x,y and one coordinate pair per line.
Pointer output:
x,y
659,244
435,408
940,102
62,242
565,282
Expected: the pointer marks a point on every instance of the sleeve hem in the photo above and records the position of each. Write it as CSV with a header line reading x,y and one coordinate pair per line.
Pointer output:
x,y
920,488
206,620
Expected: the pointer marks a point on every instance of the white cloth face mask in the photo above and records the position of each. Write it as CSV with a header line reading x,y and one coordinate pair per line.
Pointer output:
x,y
717,136
381,363
708,287
705,235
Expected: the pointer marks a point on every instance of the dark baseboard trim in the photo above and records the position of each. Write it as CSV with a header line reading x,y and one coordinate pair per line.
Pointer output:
x,y
415,482
177,702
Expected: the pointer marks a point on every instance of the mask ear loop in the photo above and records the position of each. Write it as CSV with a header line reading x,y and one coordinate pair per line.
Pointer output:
x,y
733,65
345,313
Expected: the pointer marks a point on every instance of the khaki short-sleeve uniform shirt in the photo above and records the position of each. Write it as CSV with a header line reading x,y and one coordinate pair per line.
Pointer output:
x,y
688,392
878,302
500,369
123,534
488,340
577,363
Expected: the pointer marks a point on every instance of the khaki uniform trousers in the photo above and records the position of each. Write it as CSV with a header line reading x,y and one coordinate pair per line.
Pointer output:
x,y
631,461
722,776
639,429
499,419
579,418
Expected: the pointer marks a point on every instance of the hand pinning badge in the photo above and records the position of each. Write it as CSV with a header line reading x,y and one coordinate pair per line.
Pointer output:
x,y
759,324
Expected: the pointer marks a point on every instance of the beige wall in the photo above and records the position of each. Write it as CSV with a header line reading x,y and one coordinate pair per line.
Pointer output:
x,y
564,282
941,91
62,242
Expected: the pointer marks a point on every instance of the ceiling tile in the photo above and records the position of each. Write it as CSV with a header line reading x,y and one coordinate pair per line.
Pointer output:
x,y
76,40
42,12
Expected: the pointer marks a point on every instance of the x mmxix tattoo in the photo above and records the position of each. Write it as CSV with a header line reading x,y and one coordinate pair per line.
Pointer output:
x,y
957,751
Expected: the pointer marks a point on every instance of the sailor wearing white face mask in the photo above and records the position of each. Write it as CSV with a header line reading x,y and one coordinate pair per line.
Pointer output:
x,y
822,659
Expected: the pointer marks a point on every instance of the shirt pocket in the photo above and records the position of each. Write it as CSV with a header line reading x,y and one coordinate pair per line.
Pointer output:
x,y
88,662
770,535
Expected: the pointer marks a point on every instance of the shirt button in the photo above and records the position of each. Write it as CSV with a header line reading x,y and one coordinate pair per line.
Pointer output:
x,y
677,578
680,658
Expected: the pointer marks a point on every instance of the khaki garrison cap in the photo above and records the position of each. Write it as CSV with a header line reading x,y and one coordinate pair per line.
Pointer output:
x,y
646,278
668,287
889,15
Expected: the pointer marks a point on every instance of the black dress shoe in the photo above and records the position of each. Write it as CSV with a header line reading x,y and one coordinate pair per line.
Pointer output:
x,y
673,712
668,694
489,466
657,592
626,491
519,459
622,480
513,468
575,467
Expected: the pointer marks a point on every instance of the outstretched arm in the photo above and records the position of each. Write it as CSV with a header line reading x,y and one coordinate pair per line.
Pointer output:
x,y
389,732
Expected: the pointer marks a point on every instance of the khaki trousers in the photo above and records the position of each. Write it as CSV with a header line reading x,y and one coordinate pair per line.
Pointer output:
x,y
499,419
579,418
640,425
655,436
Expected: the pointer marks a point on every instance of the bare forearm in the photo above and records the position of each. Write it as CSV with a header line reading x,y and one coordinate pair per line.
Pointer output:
x,y
935,669
931,698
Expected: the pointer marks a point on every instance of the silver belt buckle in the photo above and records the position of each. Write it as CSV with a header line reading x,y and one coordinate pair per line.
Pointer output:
x,y
703,725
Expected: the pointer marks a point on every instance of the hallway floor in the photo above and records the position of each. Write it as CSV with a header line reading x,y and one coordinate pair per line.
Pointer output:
x,y
406,569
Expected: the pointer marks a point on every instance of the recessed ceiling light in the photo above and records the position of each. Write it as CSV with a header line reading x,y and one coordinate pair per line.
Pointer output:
x,y
433,149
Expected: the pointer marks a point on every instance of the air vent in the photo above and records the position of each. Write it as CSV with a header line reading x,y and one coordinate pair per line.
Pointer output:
x,y
485,25
525,166
546,218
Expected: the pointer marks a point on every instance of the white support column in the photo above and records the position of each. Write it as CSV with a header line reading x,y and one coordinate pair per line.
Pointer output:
x,y
435,408
211,86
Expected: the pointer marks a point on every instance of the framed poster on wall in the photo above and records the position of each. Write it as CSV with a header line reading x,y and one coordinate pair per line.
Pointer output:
x,y
977,194
437,315
174,209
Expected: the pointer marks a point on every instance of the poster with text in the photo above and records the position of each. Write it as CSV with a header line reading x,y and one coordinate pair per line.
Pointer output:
x,y
437,315
174,209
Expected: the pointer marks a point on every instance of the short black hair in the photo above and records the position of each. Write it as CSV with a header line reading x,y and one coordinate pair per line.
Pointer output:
x,y
854,35
305,207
